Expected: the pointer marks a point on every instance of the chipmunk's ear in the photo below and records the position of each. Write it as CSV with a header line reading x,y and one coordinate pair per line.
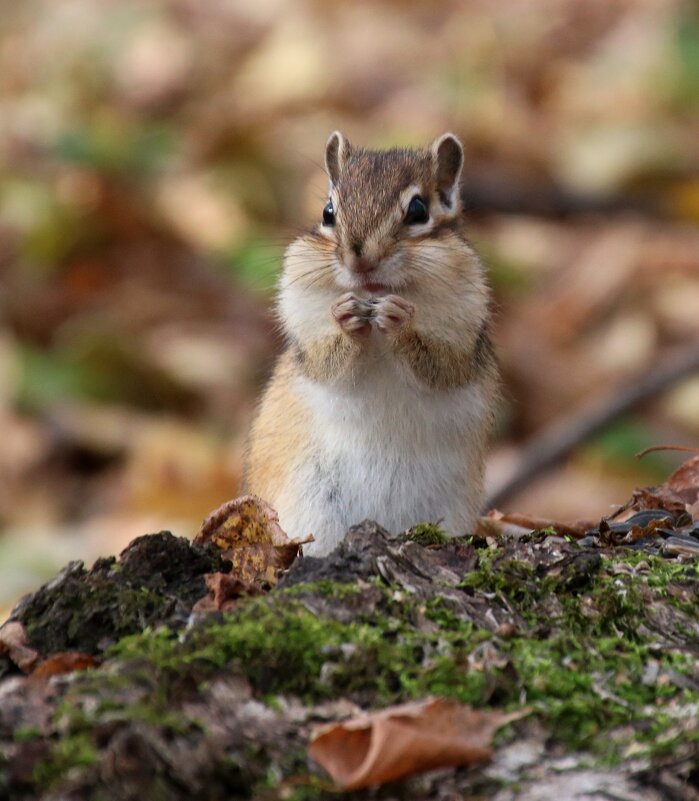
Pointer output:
x,y
337,151
448,159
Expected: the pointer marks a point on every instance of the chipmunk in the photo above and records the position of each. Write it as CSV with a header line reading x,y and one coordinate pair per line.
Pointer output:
x,y
381,403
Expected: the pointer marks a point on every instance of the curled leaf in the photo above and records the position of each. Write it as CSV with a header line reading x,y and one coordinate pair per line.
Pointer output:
x,y
247,530
685,482
379,747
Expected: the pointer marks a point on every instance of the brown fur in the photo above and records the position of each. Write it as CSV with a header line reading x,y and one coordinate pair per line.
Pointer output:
x,y
328,358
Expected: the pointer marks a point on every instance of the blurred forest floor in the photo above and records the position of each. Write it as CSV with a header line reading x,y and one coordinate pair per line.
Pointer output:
x,y
156,157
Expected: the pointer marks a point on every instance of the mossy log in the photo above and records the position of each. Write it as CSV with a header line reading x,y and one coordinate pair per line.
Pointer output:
x,y
600,644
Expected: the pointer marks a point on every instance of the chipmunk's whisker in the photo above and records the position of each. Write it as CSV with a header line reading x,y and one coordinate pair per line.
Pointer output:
x,y
431,266
321,269
318,278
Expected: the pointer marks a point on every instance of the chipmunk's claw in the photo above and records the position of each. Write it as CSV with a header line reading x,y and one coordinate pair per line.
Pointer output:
x,y
352,314
393,313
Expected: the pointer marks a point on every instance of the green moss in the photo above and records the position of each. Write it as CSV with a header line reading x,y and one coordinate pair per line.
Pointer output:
x,y
577,655
437,611
427,534
283,648
327,589
566,678
512,578
25,733
307,792
70,752
674,582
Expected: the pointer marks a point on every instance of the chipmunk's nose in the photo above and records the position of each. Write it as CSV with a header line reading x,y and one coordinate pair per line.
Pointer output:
x,y
359,262
362,265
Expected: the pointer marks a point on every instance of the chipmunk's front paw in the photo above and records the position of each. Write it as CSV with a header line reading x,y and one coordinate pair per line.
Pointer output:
x,y
393,313
352,314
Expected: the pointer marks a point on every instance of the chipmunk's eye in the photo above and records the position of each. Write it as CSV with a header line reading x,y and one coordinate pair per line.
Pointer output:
x,y
329,214
417,212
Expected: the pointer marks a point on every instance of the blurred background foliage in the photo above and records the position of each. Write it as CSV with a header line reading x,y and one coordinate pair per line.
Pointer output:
x,y
156,156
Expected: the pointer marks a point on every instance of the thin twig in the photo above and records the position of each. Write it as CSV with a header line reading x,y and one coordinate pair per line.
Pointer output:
x,y
548,448
655,448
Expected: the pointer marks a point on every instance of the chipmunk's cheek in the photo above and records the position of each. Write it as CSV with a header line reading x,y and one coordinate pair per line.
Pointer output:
x,y
395,269
343,277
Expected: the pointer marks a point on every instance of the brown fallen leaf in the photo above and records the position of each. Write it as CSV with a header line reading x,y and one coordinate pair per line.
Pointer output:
x,y
247,530
383,746
649,530
63,662
646,498
685,482
678,496
224,591
13,642
680,493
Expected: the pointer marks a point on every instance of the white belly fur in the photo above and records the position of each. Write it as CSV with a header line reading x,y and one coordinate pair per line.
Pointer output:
x,y
388,449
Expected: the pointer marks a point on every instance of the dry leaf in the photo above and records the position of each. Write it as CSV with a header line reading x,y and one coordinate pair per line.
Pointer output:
x,y
645,498
402,740
648,530
63,662
13,642
224,591
247,530
685,481
680,493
